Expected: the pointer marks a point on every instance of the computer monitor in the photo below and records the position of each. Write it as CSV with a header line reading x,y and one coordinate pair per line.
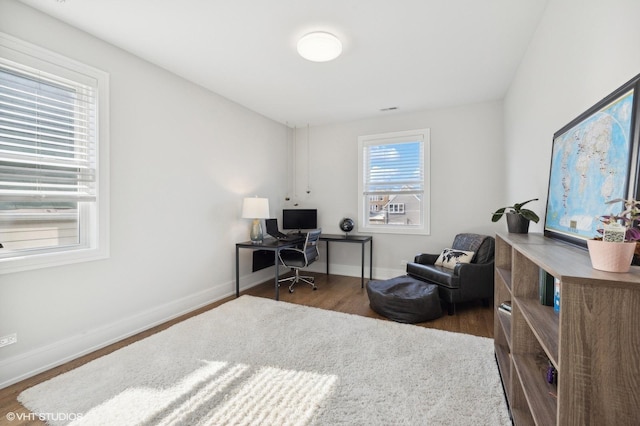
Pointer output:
x,y
299,219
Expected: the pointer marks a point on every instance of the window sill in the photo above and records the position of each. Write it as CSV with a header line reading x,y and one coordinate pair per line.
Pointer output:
x,y
47,260
394,230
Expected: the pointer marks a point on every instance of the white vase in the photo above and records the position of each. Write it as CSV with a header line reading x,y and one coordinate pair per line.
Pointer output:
x,y
611,257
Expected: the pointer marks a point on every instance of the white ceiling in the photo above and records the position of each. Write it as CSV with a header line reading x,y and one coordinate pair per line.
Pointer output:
x,y
410,54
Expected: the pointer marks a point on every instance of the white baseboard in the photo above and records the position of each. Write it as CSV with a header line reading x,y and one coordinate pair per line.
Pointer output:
x,y
38,360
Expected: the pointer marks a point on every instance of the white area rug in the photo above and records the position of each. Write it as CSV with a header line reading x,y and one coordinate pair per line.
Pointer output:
x,y
255,361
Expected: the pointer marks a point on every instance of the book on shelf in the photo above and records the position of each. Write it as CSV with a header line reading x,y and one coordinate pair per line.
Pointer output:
x,y
505,307
546,290
556,295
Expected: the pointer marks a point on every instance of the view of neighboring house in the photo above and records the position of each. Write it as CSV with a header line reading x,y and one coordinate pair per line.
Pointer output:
x,y
396,209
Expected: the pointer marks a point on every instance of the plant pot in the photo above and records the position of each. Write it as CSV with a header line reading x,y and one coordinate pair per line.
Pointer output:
x,y
517,224
611,257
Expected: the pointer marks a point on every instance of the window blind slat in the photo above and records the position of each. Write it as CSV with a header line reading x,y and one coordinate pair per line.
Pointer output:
x,y
83,113
21,145
404,192
15,115
19,175
35,160
38,105
36,133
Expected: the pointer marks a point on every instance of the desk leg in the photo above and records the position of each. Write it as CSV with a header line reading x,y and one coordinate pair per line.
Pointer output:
x,y
370,259
327,257
237,271
276,261
362,267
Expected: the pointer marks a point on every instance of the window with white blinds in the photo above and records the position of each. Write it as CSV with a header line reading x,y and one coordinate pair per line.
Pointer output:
x,y
393,188
48,153
47,138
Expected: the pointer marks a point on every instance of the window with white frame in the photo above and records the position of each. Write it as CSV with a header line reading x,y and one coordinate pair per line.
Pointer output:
x,y
393,187
396,208
53,158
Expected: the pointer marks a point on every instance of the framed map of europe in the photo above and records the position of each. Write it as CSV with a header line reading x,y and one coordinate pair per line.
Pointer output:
x,y
594,160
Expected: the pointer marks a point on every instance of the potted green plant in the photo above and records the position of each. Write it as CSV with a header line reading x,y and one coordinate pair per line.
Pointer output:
x,y
517,218
613,248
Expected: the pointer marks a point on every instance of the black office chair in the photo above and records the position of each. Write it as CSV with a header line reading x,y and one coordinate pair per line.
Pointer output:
x,y
297,258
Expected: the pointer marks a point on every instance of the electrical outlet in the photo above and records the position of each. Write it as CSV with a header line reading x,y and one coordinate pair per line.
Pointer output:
x,y
8,339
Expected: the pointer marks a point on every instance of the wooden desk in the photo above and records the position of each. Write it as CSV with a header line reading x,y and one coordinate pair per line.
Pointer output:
x,y
271,244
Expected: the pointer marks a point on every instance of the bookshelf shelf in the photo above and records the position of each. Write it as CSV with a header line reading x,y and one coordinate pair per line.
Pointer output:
x,y
544,325
593,342
505,323
505,275
538,392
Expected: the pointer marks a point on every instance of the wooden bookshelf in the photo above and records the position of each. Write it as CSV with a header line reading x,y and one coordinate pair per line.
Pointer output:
x,y
594,342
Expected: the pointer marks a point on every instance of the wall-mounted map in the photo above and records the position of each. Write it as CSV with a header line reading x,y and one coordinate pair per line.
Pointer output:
x,y
590,165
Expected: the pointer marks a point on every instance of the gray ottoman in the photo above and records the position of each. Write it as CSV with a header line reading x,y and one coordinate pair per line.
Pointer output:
x,y
405,299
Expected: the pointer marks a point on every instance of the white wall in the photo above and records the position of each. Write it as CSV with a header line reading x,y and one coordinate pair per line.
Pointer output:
x,y
467,165
182,159
582,51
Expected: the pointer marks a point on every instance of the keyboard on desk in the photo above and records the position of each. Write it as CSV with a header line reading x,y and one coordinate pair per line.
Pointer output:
x,y
290,238
272,229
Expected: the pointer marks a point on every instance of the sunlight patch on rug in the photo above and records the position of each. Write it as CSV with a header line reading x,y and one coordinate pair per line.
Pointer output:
x,y
135,405
200,397
266,396
274,396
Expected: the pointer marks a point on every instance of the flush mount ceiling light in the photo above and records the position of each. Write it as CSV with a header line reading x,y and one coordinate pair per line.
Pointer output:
x,y
319,47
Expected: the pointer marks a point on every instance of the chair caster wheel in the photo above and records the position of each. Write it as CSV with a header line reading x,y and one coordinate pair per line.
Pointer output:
x,y
290,291
315,288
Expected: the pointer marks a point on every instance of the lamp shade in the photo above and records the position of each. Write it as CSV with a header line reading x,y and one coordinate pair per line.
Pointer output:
x,y
255,208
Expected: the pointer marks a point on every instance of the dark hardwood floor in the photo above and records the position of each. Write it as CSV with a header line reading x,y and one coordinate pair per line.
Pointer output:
x,y
335,292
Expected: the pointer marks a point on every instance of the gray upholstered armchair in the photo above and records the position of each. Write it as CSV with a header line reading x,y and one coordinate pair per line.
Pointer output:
x,y
465,281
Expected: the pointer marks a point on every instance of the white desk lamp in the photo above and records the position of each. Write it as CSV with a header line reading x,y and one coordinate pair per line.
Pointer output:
x,y
256,208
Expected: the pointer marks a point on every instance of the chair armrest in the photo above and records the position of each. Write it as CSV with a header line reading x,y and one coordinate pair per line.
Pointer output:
x,y
475,271
426,258
476,280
